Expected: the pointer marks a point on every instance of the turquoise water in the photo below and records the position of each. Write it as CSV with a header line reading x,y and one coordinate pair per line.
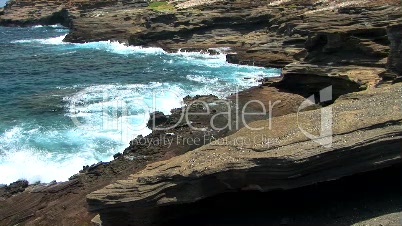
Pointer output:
x,y
66,105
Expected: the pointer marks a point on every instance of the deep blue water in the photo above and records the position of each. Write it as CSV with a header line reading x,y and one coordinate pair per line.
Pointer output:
x,y
66,105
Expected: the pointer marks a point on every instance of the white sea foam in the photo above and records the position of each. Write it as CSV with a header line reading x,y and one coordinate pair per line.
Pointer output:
x,y
120,48
202,79
109,46
57,26
34,165
249,79
46,41
121,109
19,160
203,59
49,26
53,41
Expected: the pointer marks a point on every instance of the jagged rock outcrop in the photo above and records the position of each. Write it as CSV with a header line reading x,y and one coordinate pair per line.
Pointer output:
x,y
28,13
395,56
155,119
366,135
12,189
353,48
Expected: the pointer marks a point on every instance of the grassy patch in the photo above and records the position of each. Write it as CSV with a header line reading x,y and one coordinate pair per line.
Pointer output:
x,y
161,6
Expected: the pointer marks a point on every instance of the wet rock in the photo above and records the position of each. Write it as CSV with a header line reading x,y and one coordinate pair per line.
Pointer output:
x,y
16,187
13,188
155,119
117,155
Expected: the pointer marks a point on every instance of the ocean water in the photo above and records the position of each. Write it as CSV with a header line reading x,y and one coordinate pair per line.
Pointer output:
x,y
65,105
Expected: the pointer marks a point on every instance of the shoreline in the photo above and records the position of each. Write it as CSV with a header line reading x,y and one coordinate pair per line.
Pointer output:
x,y
208,97
359,60
208,51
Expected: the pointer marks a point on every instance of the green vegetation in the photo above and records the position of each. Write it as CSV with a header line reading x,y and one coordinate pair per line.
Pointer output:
x,y
161,6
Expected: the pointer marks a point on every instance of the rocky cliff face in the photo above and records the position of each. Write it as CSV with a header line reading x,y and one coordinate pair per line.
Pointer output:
x,y
356,49
27,13
282,157
395,56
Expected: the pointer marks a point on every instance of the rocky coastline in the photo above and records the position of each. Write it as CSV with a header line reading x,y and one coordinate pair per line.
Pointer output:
x,y
355,49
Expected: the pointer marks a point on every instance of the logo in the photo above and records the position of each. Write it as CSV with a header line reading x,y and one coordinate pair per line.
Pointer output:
x,y
130,117
325,137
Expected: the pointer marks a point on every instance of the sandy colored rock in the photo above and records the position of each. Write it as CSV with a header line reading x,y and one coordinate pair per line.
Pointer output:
x,y
278,157
354,48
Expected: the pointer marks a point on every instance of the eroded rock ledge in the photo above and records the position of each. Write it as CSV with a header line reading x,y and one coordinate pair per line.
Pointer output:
x,y
355,48
367,135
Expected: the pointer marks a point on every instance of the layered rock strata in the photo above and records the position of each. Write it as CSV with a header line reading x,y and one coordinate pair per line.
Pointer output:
x,y
365,134
354,49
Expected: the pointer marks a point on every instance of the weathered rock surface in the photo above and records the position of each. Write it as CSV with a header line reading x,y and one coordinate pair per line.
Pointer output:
x,y
28,13
155,119
13,188
355,48
366,135
395,57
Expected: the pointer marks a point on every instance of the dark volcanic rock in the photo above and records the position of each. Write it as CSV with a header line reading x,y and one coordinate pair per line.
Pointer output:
x,y
156,118
395,56
176,134
13,188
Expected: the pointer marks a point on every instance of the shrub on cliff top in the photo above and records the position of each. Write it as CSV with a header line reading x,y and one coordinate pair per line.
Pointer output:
x,y
161,6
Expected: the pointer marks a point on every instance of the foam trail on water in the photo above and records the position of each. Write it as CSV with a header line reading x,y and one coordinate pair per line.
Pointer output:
x,y
119,48
109,46
45,41
202,79
72,149
49,26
